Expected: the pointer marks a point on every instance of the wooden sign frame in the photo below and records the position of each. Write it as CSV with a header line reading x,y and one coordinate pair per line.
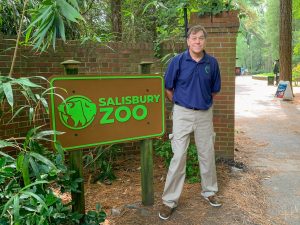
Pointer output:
x,y
95,110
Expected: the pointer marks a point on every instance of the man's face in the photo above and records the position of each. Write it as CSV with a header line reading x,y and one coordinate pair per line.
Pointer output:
x,y
196,42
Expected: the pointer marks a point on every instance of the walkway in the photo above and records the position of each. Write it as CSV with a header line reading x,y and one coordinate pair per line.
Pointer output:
x,y
277,124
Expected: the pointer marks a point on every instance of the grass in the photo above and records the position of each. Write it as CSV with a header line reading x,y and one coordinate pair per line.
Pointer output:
x,y
295,77
265,74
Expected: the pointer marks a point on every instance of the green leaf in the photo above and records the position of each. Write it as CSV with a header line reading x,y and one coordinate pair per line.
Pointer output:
x,y
59,215
18,112
40,77
51,199
40,35
54,37
2,162
4,144
20,159
39,200
24,93
5,155
85,39
162,5
28,34
8,93
46,133
33,184
45,104
61,27
34,168
42,221
42,159
10,185
75,4
27,82
68,11
8,203
43,101
60,149
25,169
45,13
38,97
30,209
16,210
29,135
31,113
9,171
29,93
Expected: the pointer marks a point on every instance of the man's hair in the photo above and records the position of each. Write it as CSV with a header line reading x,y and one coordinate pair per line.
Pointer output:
x,y
196,29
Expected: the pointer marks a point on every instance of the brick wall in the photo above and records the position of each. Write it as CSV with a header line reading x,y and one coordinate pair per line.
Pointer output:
x,y
125,59
222,33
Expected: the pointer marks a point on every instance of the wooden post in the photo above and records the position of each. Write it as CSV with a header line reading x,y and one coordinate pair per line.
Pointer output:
x,y
147,157
77,197
71,68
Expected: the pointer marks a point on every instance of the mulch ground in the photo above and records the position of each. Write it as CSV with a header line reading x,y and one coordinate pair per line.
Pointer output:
x,y
244,199
240,191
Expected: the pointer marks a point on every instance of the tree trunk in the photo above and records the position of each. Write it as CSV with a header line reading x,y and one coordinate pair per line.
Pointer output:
x,y
116,18
285,40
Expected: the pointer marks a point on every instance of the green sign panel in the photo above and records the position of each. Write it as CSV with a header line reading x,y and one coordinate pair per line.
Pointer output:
x,y
93,110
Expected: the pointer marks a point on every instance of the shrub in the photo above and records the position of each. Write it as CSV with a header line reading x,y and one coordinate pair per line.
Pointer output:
x,y
99,161
27,180
163,149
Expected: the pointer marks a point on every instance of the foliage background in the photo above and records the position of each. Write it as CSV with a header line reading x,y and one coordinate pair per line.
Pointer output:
x,y
258,40
150,21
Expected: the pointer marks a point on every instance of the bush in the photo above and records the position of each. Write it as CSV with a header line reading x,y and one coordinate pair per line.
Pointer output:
x,y
296,74
163,149
27,181
99,161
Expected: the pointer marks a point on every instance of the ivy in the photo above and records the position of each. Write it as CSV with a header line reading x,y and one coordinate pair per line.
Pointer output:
x,y
214,7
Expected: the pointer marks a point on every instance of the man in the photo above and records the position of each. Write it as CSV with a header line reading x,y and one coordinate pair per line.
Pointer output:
x,y
276,71
191,81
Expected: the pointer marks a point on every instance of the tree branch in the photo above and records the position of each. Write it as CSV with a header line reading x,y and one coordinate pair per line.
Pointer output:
x,y
17,41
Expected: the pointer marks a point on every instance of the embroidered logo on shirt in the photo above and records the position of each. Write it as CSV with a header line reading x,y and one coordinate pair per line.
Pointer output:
x,y
207,69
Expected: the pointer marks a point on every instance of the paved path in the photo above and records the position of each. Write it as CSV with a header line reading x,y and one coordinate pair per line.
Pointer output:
x,y
276,123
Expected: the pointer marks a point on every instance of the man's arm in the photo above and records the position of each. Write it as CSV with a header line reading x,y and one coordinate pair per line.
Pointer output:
x,y
169,94
214,94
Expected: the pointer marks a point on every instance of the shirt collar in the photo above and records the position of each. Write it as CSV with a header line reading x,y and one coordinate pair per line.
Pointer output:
x,y
189,58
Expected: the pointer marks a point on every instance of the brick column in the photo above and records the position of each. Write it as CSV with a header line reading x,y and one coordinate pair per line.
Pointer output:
x,y
222,33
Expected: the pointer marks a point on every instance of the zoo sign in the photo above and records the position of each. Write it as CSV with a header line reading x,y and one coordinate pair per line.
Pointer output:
x,y
94,110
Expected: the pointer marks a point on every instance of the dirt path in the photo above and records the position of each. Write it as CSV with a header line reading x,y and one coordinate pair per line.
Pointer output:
x,y
276,124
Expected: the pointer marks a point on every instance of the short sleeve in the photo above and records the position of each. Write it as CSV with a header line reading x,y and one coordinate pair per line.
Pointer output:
x,y
171,73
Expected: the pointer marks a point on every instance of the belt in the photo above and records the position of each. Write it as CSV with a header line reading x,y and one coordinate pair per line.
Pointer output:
x,y
192,108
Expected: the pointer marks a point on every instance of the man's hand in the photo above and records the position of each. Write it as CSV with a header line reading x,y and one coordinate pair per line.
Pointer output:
x,y
169,94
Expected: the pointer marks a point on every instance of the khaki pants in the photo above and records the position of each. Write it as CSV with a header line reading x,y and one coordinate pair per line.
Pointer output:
x,y
186,121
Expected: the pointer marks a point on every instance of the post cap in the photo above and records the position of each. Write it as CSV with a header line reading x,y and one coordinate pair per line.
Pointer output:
x,y
146,62
70,62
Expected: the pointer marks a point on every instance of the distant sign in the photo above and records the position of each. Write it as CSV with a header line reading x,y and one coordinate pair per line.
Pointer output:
x,y
100,110
284,90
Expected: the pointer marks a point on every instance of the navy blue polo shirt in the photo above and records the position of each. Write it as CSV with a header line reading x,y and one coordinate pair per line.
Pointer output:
x,y
193,82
